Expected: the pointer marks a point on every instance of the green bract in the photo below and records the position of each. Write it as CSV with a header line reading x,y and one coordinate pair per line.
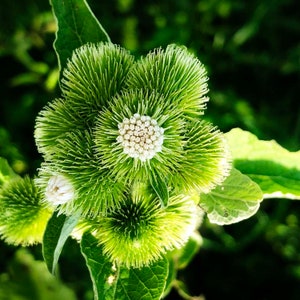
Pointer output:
x,y
23,216
94,74
176,74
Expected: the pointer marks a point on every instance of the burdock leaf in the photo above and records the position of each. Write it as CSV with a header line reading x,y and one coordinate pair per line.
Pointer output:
x,y
76,26
238,198
275,169
58,229
119,283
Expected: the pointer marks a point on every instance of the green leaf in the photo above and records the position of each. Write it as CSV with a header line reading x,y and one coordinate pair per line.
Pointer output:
x,y
118,283
58,229
6,172
236,199
76,26
159,186
272,167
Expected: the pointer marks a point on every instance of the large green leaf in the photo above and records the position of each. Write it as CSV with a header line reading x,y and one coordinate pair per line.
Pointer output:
x,y
76,25
58,229
118,283
238,198
6,172
272,167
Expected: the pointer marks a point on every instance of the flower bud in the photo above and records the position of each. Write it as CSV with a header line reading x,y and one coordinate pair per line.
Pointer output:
x,y
175,73
23,216
140,231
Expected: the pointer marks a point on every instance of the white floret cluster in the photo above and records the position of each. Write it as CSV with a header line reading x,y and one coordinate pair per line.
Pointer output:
x,y
140,136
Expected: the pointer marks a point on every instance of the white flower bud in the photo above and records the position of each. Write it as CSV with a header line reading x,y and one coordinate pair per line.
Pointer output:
x,y
59,190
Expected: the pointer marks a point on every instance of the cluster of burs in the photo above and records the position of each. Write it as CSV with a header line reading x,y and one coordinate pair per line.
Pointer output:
x,y
127,147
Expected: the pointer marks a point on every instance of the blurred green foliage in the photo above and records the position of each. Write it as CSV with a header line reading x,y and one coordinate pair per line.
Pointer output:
x,y
252,52
29,279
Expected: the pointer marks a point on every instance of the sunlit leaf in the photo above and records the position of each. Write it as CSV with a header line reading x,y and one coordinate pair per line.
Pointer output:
x,y
238,198
58,229
275,169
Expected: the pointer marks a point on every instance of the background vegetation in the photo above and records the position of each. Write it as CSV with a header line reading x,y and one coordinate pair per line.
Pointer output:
x,y
252,53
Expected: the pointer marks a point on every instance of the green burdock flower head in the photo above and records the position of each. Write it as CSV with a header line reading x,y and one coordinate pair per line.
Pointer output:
x,y
119,120
140,231
140,136
23,215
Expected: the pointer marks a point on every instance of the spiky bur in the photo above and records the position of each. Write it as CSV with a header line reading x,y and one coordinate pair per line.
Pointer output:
x,y
140,231
110,147
191,154
206,162
91,189
53,123
23,216
175,73
94,74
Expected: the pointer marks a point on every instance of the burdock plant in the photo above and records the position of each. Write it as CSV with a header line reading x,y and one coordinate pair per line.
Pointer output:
x,y
121,124
130,163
